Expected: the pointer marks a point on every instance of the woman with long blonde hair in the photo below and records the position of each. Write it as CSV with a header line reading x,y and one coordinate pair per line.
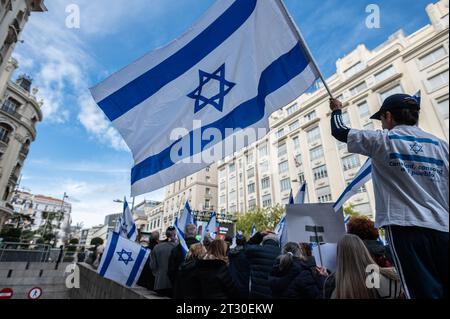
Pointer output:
x,y
354,278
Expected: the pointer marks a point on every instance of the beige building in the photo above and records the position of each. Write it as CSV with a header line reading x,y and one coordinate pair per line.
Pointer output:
x,y
300,147
141,212
13,17
155,217
199,188
19,113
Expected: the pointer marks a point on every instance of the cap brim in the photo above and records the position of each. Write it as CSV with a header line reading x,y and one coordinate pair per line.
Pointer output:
x,y
376,116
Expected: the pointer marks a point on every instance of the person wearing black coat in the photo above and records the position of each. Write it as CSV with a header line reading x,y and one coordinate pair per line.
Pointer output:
x,y
213,276
261,259
294,277
239,266
177,257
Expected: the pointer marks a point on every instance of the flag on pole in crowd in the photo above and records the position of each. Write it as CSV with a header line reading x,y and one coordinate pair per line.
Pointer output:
x,y
279,227
211,227
125,226
291,198
254,231
301,195
230,71
182,241
186,218
362,177
122,260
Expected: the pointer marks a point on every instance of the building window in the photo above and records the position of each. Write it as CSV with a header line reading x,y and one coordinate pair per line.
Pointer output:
x,y
222,199
250,172
264,166
207,203
292,109
438,81
298,160
442,108
232,167
353,70
5,131
250,158
320,172
346,119
432,57
394,90
265,183
294,125
280,133
252,204
285,184
301,178
363,109
232,195
386,73
296,141
313,135
310,116
324,195
251,188
208,191
263,150
359,88
233,181
267,200
282,150
241,192
222,185
316,153
283,167
10,106
350,162
233,209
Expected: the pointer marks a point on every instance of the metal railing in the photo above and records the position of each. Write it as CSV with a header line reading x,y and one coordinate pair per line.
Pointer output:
x,y
20,252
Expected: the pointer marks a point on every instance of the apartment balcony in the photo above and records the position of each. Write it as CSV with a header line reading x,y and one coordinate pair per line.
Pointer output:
x,y
6,109
24,153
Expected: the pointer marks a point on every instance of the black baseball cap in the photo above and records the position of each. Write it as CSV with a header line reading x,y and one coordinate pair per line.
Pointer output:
x,y
396,102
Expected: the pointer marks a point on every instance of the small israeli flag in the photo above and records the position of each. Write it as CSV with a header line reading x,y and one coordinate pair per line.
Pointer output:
x,y
301,195
291,198
126,226
362,177
243,60
186,218
281,231
211,227
122,260
180,235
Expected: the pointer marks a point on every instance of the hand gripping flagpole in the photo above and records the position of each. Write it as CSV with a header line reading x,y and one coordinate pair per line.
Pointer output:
x,y
305,47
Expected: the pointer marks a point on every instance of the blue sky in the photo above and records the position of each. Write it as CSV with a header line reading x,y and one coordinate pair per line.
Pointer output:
x,y
77,151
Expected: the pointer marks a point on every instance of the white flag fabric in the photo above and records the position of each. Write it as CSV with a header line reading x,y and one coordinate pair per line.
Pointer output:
x,y
182,241
211,227
362,177
126,226
233,68
186,218
301,195
122,260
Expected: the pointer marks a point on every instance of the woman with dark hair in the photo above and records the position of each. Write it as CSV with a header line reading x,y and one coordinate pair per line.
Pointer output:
x,y
296,277
364,228
212,274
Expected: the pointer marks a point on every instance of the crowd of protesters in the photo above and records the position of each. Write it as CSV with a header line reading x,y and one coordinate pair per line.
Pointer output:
x,y
259,268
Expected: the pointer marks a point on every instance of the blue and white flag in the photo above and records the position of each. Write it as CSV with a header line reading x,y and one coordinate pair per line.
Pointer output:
x,y
122,260
126,226
254,231
186,218
279,227
180,235
362,177
180,107
291,198
211,227
301,195
281,231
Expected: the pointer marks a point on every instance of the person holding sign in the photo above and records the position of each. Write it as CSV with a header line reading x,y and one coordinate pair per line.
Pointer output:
x,y
410,178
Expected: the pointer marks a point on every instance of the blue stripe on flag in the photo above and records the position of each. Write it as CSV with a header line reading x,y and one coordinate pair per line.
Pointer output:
x,y
131,232
112,247
143,87
413,139
136,267
417,158
364,174
280,72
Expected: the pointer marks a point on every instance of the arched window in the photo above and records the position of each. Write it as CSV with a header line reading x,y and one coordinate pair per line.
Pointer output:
x,y
11,106
5,132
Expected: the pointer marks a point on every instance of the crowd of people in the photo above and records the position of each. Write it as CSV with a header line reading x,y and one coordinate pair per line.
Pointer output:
x,y
259,268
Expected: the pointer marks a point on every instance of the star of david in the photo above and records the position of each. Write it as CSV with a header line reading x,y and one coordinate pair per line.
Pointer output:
x,y
216,100
416,148
127,257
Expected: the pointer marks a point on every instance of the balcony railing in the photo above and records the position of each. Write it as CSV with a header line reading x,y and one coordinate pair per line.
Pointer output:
x,y
24,152
4,139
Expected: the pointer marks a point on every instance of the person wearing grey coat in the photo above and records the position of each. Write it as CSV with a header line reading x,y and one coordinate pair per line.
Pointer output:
x,y
159,263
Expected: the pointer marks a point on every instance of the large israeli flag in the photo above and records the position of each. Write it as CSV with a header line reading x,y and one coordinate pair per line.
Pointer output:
x,y
179,106
122,260
126,226
362,177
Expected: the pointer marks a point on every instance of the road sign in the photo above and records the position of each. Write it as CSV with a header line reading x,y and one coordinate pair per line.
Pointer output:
x,y
35,293
6,293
